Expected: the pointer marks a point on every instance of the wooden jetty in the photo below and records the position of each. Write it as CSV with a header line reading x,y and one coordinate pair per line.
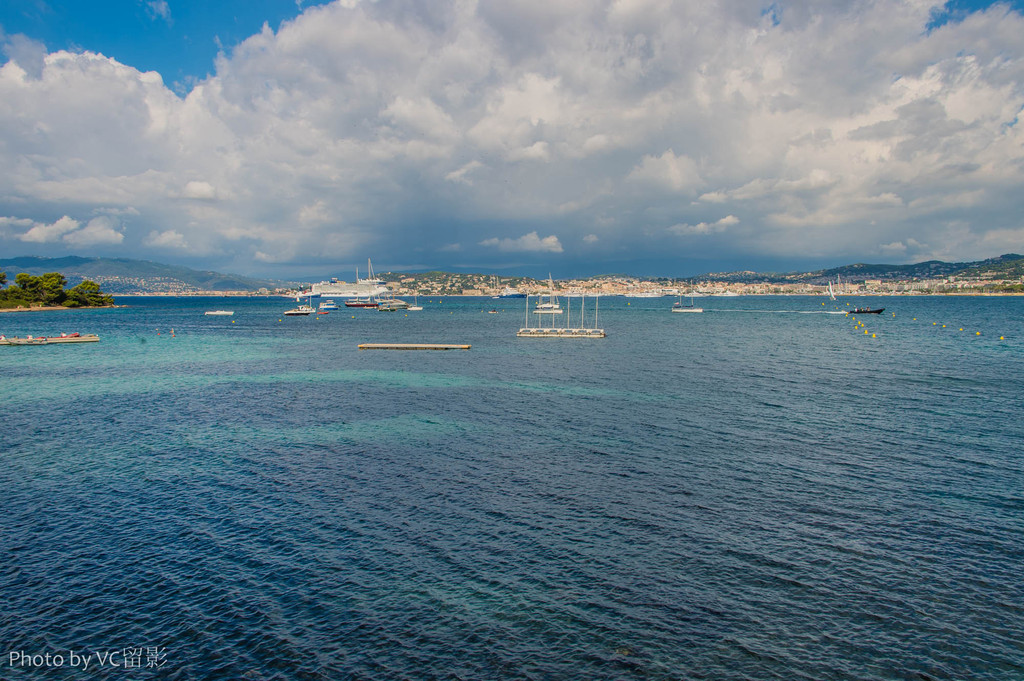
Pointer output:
x,y
412,346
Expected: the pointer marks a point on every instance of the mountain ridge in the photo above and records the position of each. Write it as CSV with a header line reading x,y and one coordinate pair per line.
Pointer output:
x,y
124,275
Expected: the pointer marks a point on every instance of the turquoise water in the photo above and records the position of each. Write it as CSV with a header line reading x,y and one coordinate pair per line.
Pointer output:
x,y
760,491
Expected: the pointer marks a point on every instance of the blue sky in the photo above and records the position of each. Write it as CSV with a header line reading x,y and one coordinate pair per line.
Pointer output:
x,y
956,11
180,40
586,136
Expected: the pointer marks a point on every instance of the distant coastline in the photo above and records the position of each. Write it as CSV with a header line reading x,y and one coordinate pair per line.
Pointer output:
x,y
51,308
407,292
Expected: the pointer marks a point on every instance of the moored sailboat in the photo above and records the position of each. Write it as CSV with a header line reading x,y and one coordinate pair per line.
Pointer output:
x,y
547,303
680,307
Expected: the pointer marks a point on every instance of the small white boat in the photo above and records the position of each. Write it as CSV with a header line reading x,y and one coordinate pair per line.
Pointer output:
x,y
300,311
328,305
219,313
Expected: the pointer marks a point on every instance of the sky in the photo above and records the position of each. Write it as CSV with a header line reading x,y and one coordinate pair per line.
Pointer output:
x,y
652,137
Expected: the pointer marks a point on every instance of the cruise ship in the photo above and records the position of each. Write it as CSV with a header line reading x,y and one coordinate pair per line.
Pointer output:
x,y
370,287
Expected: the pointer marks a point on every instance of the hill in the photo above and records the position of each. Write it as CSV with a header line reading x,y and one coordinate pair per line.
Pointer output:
x,y
1008,266
1005,266
122,275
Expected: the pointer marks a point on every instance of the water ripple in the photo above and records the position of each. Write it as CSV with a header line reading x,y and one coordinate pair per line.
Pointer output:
x,y
743,496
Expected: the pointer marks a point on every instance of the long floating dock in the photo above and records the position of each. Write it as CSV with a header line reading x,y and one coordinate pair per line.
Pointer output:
x,y
412,346
528,332
49,340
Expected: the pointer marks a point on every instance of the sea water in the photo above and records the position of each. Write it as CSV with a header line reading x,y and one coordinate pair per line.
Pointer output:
x,y
770,489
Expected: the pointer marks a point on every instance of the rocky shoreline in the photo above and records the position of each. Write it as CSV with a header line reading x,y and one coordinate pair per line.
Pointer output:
x,y
51,308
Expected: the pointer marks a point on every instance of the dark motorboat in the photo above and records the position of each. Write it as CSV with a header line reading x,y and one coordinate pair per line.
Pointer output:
x,y
867,310
362,302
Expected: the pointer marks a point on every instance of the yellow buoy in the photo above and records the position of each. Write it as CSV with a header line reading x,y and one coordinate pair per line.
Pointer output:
x,y
977,333
872,335
1001,338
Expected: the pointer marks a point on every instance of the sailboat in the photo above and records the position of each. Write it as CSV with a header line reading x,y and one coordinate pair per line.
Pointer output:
x,y
376,287
547,303
679,307
415,304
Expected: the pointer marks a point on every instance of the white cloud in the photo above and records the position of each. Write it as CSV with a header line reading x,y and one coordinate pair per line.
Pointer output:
x,y
42,233
894,249
705,227
590,239
316,212
159,9
101,230
830,130
676,173
9,226
463,174
98,231
27,54
421,116
170,238
196,189
528,243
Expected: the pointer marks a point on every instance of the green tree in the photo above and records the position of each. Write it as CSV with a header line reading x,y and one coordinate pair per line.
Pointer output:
x,y
51,288
3,278
87,294
28,284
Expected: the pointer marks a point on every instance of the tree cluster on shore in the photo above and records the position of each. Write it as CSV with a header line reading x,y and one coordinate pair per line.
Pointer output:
x,y
48,290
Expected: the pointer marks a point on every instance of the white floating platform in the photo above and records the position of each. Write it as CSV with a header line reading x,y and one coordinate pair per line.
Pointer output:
x,y
412,346
50,340
527,332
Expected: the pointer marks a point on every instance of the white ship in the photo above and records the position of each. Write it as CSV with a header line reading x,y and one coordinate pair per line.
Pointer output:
x,y
370,287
